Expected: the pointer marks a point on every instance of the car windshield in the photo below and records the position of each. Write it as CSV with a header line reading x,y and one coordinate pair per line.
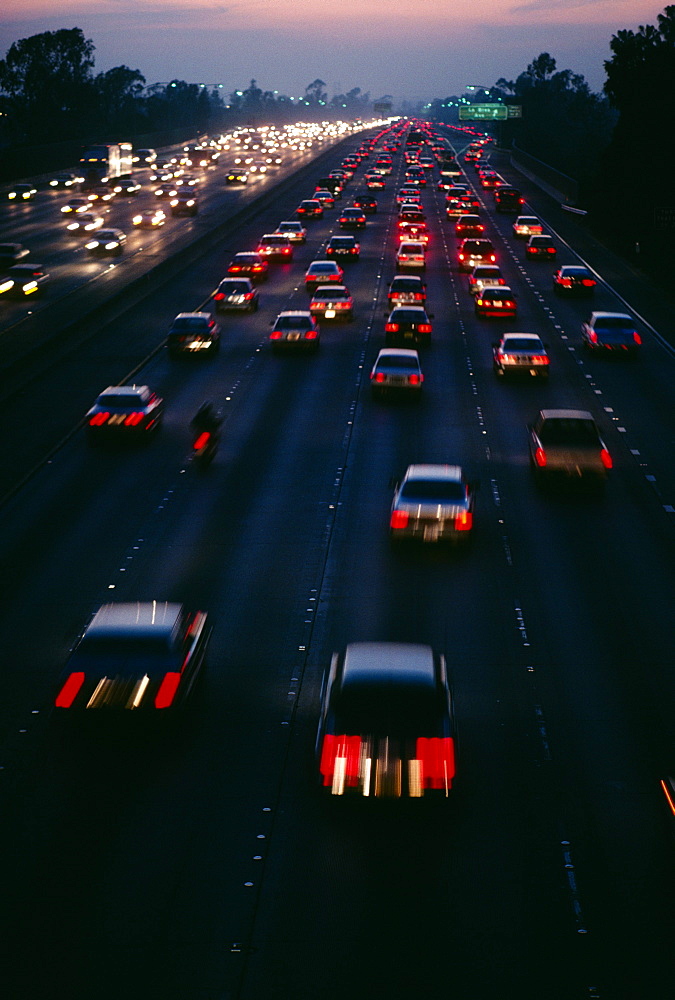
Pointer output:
x,y
433,491
568,431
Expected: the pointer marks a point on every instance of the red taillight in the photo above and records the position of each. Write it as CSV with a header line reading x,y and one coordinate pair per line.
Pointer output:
x,y
592,336
550,250
391,328
310,335
201,440
567,282
167,690
636,337
418,297
399,519
219,296
286,249
378,377
234,268
540,457
70,689
586,282
415,379
461,256
493,257
275,335
99,419
133,420
424,328
539,359
606,458
437,757
334,748
464,521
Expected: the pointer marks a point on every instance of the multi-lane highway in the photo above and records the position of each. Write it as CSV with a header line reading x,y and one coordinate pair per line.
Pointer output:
x,y
205,865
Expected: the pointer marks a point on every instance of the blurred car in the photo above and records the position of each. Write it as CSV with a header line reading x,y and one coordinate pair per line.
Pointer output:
x,y
397,370
410,194
508,199
236,176
366,202
566,445
249,265
236,295
295,231
295,329
100,193
76,205
540,247
411,255
407,289
375,181
326,197
21,192
107,242
415,175
344,248
610,332
166,191
520,354
185,202
332,302
573,279
472,252
526,226
153,218
124,412
84,222
469,225
310,208
413,231
134,660
193,333
11,253
433,503
24,280
64,180
275,247
455,208
485,276
408,324
352,218
386,729
323,272
126,186
496,301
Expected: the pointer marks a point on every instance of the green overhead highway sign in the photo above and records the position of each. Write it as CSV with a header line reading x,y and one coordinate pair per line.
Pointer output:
x,y
482,112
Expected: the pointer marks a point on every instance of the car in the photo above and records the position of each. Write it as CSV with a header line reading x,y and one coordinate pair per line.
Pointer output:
x,y
82,223
323,272
416,231
249,265
258,167
326,197
344,248
375,181
11,253
193,333
409,194
236,176
295,231
611,333
539,247
407,290
310,208
411,255
21,192
508,198
433,504
295,329
152,218
470,202
415,175
332,184
124,412
469,225
166,191
106,242
352,218
185,202
475,251
64,180
275,247
485,276
455,207
145,156
126,186
76,205
236,295
497,301
566,445
573,279
386,727
427,162
137,660
23,281
332,302
100,193
526,226
520,354
408,324
397,370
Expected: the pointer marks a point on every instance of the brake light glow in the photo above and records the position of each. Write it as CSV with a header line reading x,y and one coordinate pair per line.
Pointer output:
x,y
275,335
636,337
464,521
219,296
437,757
399,519
70,689
167,690
606,458
99,419
378,377
540,457
587,282
201,440
310,335
133,420
391,328
339,764
415,379
424,328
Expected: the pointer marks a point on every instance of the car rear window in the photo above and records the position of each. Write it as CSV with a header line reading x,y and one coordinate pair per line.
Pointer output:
x,y
529,346
433,491
388,707
568,430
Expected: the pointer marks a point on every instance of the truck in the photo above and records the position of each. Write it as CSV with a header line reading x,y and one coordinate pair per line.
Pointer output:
x,y
103,162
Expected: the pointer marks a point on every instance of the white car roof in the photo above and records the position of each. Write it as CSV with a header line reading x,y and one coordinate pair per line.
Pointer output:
x,y
446,472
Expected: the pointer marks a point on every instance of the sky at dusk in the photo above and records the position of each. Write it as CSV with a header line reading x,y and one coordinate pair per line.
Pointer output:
x,y
407,48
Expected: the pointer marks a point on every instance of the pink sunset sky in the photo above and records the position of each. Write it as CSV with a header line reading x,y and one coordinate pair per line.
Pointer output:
x,y
410,48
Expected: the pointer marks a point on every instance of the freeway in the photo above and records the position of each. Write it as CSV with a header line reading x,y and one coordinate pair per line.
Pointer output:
x,y
205,866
